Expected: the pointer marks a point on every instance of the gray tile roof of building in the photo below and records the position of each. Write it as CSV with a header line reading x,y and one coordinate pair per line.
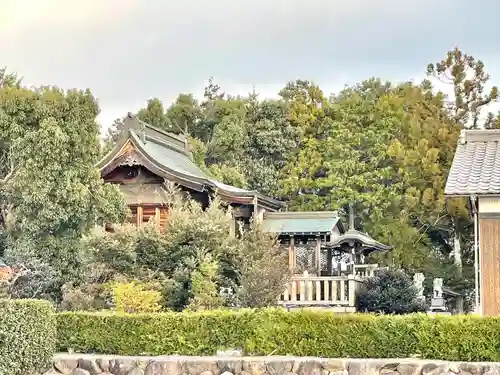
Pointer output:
x,y
170,154
309,222
476,166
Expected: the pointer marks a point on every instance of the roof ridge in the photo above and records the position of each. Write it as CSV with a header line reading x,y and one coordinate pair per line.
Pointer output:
x,y
181,138
479,135
301,214
131,121
167,144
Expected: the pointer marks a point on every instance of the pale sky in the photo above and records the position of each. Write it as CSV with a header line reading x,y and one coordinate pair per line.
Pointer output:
x,y
127,51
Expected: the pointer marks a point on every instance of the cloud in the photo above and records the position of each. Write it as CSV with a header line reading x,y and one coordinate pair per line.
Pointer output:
x,y
129,50
26,16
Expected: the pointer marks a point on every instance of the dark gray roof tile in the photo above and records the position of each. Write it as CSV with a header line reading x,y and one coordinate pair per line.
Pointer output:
x,y
309,222
476,166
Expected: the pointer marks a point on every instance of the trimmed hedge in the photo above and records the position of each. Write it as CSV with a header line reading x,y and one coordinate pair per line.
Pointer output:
x,y
262,332
27,336
154,334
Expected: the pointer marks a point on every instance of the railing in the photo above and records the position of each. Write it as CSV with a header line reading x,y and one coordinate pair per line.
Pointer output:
x,y
340,291
320,290
367,270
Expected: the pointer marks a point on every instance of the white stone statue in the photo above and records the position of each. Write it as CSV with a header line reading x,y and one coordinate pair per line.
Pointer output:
x,y
418,281
438,288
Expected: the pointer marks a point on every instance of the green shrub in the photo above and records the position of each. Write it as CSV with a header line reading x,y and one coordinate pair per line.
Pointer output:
x,y
27,336
133,297
389,292
252,264
206,295
262,332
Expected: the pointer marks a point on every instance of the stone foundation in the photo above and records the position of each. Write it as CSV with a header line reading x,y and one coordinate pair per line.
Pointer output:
x,y
80,364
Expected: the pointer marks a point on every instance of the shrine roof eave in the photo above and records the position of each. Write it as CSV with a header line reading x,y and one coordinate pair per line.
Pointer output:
x,y
174,164
308,223
353,237
451,292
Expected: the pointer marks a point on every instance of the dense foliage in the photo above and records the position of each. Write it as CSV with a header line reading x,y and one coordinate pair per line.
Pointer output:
x,y
386,147
261,332
389,292
27,336
187,264
51,193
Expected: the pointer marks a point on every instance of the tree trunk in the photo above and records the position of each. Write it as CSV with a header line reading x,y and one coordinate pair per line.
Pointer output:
x,y
457,251
457,259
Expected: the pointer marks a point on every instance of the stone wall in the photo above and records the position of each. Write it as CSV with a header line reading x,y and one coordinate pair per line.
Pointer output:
x,y
176,365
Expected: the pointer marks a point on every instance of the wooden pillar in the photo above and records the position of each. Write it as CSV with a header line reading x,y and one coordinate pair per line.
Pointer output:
x,y
318,255
351,287
329,262
157,216
460,304
489,246
232,226
139,216
255,210
292,262
489,254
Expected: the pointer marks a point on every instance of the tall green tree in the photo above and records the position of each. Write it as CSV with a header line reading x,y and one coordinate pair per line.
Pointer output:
x,y
469,80
52,194
272,139
387,149
184,115
422,152
9,79
471,98
154,114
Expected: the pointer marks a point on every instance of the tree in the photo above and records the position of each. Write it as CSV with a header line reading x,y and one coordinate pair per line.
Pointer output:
x,y
422,152
205,291
343,159
469,79
387,149
230,174
306,108
263,274
492,121
229,140
51,193
9,79
184,115
154,114
271,141
112,135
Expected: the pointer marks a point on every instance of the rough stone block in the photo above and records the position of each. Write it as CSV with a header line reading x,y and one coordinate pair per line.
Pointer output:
x,y
79,371
74,364
65,366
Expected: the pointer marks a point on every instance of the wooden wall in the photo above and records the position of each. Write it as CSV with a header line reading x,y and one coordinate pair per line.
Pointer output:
x,y
140,185
489,246
141,215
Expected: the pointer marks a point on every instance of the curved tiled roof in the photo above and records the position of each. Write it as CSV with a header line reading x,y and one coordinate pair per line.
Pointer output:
x,y
476,166
353,237
322,222
169,154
